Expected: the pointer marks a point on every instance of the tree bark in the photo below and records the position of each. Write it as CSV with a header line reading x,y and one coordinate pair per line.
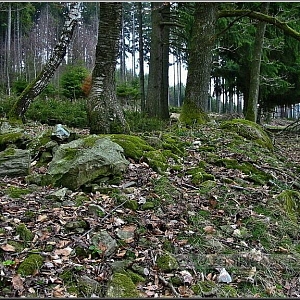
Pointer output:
x,y
199,63
251,112
158,82
8,50
103,108
38,85
141,56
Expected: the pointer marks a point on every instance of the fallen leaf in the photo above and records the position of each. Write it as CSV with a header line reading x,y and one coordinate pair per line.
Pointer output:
x,y
209,229
42,218
8,248
65,252
17,283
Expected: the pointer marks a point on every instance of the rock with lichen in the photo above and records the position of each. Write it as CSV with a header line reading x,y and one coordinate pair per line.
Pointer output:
x,y
121,286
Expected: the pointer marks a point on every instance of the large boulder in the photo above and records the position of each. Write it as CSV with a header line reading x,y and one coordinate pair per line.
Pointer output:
x,y
12,134
14,162
84,160
249,130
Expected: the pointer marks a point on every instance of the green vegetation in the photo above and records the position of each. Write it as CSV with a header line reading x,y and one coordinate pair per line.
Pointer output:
x,y
121,286
17,192
30,264
25,234
290,200
71,82
249,130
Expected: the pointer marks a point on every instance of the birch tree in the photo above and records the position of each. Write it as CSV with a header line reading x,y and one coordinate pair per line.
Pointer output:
x,y
37,86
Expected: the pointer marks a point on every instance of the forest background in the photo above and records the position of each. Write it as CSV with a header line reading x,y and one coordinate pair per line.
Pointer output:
x,y
30,30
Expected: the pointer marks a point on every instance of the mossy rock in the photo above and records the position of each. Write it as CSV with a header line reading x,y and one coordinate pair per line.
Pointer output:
x,y
121,286
167,262
249,130
30,264
11,133
290,200
36,144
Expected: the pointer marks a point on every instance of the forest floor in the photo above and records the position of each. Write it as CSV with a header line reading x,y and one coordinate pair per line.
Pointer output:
x,y
236,222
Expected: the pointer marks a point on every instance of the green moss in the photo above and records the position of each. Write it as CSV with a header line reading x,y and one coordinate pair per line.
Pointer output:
x,y
290,200
157,160
173,143
257,176
205,288
10,138
16,192
121,286
25,234
131,204
37,143
136,278
167,262
81,199
30,264
18,246
68,276
249,130
90,141
164,188
199,176
70,153
10,151
227,291
148,205
191,114
134,146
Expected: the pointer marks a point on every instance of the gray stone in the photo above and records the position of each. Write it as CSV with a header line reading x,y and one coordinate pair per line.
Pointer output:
x,y
58,195
89,286
60,133
14,162
105,242
84,160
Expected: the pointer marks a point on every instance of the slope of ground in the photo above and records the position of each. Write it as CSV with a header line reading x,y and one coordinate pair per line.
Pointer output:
x,y
218,213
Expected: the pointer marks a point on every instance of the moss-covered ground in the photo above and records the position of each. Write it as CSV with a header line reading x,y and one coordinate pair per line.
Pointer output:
x,y
192,202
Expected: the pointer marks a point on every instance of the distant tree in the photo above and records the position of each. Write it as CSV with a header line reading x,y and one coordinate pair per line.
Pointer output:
x,y
71,81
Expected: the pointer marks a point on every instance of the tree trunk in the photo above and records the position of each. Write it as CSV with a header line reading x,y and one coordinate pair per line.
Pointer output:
x,y
8,50
141,56
158,84
199,63
38,85
104,111
251,112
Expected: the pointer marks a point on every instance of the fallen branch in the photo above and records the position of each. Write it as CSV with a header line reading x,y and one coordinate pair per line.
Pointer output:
x,y
170,285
